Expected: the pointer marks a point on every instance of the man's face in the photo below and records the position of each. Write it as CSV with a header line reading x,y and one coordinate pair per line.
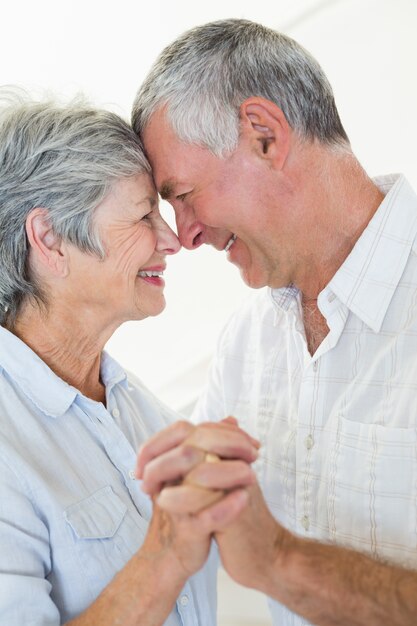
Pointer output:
x,y
225,202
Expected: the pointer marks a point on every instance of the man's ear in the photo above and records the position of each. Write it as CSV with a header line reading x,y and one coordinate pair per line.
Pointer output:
x,y
46,247
266,128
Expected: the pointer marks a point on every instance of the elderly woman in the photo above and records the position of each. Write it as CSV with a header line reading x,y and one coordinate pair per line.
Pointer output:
x,y
83,249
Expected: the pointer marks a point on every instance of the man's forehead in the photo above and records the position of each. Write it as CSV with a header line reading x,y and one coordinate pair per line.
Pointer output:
x,y
157,127
160,146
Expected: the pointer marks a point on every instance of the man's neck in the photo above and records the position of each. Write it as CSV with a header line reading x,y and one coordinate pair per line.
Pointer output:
x,y
341,200
315,325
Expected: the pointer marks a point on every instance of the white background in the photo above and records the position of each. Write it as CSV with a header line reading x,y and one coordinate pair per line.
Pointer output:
x,y
104,49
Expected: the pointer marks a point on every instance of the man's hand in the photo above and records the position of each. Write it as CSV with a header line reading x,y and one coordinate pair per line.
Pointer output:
x,y
326,584
190,469
183,472
252,544
178,462
253,547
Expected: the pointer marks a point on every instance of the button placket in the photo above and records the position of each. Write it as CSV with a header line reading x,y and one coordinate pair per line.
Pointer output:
x,y
309,442
307,413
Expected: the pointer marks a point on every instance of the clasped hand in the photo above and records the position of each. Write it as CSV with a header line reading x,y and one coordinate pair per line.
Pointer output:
x,y
202,484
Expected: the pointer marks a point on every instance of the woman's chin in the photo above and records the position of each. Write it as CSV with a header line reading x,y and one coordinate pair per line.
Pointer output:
x,y
160,309
152,310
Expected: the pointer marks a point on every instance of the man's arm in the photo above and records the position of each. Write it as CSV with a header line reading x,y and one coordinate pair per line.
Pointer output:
x,y
327,584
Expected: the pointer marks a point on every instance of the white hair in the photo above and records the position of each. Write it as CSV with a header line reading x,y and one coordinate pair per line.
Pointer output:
x,y
63,158
203,77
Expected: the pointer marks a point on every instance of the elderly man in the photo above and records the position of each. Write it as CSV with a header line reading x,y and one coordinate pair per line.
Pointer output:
x,y
241,128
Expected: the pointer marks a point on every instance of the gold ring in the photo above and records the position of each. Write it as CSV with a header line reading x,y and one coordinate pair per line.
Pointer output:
x,y
209,457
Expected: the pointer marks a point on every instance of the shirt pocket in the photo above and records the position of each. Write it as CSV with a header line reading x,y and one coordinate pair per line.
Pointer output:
x,y
104,535
372,490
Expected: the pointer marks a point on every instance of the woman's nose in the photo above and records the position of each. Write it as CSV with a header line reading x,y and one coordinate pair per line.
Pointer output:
x,y
167,240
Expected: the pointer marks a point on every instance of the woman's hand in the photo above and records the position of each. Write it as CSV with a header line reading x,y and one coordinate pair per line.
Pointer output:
x,y
177,464
178,540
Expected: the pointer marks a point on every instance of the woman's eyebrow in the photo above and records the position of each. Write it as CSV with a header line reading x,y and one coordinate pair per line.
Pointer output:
x,y
151,199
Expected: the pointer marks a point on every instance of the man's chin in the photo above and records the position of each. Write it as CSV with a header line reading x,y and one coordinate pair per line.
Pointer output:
x,y
252,281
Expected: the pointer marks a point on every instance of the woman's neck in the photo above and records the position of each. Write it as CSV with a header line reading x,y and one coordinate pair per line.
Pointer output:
x,y
66,345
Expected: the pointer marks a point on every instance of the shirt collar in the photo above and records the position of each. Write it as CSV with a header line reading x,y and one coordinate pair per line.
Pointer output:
x,y
111,372
284,296
46,390
367,280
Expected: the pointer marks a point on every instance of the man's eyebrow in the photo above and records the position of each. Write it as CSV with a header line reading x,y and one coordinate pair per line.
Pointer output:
x,y
166,190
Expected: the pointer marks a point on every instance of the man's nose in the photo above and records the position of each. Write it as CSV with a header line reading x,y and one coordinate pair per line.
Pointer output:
x,y
190,231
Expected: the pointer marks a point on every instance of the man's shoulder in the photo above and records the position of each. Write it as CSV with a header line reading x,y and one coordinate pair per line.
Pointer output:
x,y
253,308
247,321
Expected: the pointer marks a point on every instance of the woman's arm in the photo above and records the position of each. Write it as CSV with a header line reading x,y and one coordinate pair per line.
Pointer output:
x,y
142,593
145,590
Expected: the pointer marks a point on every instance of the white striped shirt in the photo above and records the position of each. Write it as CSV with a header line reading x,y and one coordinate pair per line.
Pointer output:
x,y
339,428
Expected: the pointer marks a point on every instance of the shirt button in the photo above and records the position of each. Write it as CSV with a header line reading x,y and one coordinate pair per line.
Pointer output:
x,y
305,522
309,442
115,413
132,474
315,366
184,600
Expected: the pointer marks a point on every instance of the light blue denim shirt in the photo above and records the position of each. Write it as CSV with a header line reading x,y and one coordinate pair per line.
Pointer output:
x,y
71,512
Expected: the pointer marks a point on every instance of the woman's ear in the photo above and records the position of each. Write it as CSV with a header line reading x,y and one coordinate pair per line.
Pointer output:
x,y
47,248
266,128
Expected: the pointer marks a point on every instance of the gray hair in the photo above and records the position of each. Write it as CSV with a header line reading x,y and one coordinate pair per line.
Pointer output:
x,y
63,158
203,77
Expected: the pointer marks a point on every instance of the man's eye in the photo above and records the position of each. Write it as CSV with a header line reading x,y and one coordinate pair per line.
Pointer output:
x,y
181,196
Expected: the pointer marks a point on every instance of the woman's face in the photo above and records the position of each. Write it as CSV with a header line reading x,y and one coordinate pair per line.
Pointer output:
x,y
128,283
